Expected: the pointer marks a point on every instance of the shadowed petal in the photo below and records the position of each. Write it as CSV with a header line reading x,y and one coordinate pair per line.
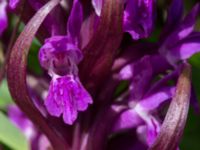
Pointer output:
x,y
141,73
185,27
75,21
139,18
182,31
174,17
185,48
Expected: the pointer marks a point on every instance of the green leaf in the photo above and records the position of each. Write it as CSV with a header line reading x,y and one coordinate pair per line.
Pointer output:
x,y
121,88
11,135
33,62
195,62
5,97
191,134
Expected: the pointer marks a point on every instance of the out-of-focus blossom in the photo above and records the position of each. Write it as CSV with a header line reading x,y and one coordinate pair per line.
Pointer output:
x,y
139,17
3,16
13,4
20,120
183,41
60,55
36,139
144,97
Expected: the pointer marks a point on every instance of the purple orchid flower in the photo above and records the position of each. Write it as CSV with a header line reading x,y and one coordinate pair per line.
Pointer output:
x,y
60,55
139,16
3,16
145,98
141,100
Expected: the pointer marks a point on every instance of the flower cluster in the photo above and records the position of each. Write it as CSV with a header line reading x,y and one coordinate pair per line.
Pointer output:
x,y
108,85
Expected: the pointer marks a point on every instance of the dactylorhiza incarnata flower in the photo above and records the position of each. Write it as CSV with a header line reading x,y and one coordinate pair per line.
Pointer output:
x,y
60,55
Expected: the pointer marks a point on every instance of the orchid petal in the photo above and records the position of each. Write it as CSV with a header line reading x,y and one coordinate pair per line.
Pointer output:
x,y
185,48
75,21
139,18
67,96
152,125
174,17
153,128
182,30
21,121
3,16
13,4
140,73
56,50
128,119
154,100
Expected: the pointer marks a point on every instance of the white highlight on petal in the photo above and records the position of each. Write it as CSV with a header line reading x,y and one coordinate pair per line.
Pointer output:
x,y
97,4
